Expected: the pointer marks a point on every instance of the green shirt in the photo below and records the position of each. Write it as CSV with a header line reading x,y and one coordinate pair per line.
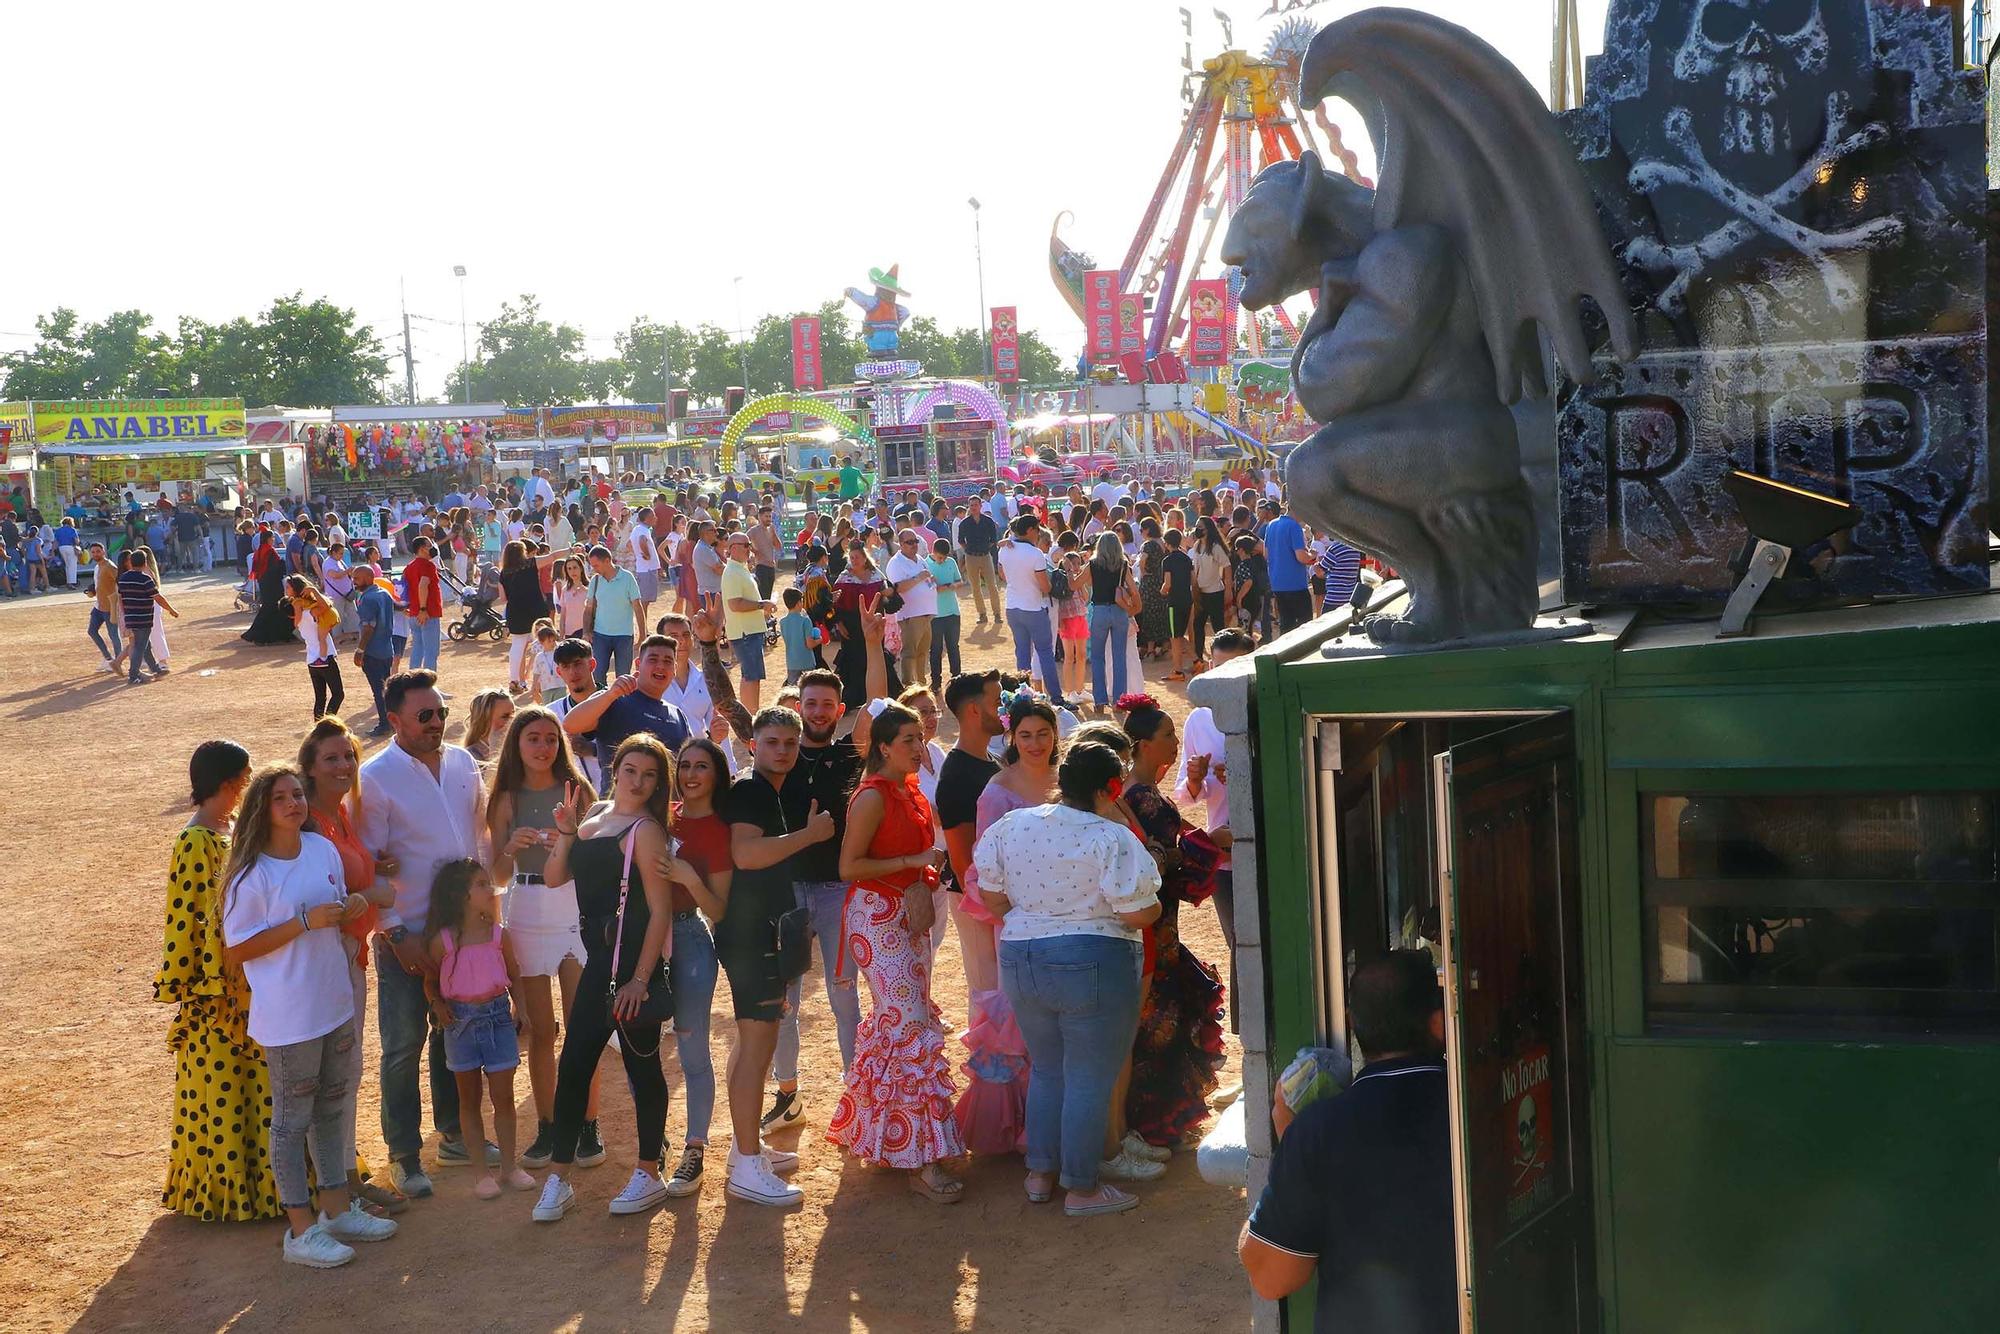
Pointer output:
x,y
850,482
615,597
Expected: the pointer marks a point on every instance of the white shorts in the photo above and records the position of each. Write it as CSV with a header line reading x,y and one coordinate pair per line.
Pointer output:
x,y
541,921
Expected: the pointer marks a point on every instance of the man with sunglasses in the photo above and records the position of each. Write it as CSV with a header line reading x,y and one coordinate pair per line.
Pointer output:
x,y
421,807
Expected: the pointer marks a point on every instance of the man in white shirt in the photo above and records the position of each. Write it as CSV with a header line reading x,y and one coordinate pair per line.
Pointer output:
x,y
479,503
1204,774
1024,570
538,488
1107,492
420,808
912,577
645,562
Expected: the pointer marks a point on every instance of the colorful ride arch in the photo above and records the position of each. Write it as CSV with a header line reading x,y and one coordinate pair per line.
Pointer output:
x,y
750,412
983,401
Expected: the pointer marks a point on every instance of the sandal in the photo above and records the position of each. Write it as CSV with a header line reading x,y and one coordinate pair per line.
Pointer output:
x,y
386,1198
939,1189
1041,1187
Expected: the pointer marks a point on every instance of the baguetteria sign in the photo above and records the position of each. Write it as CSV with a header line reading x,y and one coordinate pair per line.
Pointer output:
x,y
125,422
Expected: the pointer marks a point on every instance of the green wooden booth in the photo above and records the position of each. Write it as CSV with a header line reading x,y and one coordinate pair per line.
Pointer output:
x,y
1719,923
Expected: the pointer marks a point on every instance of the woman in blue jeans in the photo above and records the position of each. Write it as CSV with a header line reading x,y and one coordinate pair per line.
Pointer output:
x,y
1074,887
1114,595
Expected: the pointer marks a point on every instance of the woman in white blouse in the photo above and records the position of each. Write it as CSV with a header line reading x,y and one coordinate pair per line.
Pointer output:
x,y
1074,887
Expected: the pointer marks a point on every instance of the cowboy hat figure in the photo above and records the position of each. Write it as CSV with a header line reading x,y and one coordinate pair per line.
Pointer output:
x,y
882,318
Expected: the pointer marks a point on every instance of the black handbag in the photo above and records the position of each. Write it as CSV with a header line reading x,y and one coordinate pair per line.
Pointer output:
x,y
793,934
658,1006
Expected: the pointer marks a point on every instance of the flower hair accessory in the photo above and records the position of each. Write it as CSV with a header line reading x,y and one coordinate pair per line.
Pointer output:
x,y
1134,702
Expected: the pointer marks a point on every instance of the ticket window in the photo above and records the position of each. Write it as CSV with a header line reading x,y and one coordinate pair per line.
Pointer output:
x,y
1821,914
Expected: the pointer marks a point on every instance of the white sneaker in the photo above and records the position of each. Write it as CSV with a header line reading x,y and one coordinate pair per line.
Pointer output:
x,y
644,1191
554,1200
355,1223
1136,1146
751,1179
316,1248
1127,1168
782,1161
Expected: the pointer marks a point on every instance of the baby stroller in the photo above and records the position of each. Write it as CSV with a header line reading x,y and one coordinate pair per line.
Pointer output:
x,y
478,617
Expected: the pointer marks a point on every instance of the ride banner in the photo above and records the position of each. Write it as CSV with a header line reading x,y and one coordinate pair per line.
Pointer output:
x,y
1131,323
1208,322
806,370
1006,336
1100,313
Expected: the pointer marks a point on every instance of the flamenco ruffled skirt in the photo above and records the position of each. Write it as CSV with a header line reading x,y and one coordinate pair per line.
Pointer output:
x,y
896,1109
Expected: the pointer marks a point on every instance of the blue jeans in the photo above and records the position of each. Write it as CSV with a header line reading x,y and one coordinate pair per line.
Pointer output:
x,y
99,621
424,641
377,670
693,971
1077,1001
825,902
142,651
613,654
1035,634
1110,627
406,1021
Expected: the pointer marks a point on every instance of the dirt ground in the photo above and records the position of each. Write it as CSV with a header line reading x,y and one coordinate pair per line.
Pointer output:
x,y
96,792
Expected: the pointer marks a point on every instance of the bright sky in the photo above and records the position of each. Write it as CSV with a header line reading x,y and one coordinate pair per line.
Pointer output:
x,y
615,159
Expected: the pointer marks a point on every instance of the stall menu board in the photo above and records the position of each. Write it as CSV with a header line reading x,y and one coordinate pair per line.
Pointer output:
x,y
149,472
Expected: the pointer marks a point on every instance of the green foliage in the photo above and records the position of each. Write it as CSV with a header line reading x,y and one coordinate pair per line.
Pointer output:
x,y
525,359
300,353
313,354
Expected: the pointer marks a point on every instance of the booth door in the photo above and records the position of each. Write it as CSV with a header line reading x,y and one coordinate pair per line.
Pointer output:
x,y
1514,1003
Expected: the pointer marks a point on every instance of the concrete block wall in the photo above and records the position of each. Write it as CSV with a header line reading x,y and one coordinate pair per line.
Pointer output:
x,y
1229,692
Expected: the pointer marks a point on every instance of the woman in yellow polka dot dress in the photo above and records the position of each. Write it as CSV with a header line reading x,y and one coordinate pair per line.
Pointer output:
x,y
219,1166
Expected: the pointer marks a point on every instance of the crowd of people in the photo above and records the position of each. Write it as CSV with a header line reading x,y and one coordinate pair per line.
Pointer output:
x,y
636,817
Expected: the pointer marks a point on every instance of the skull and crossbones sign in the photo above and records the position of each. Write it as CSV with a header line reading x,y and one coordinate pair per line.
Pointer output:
x,y
1756,213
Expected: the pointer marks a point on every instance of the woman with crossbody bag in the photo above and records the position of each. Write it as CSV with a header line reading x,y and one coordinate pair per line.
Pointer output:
x,y
619,858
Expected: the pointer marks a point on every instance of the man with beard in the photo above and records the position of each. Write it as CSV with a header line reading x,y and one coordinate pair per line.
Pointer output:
x,y
634,703
826,772
422,803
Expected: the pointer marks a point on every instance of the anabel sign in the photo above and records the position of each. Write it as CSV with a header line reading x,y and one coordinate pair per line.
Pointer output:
x,y
122,423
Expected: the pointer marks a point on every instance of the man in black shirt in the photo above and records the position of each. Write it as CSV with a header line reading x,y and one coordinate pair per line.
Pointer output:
x,y
827,771
1360,1191
977,536
774,823
1178,568
974,700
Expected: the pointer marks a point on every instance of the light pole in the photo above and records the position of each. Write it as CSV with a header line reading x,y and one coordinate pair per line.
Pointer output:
x,y
464,343
742,352
985,322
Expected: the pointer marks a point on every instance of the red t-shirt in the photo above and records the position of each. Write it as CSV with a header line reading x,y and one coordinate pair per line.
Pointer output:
x,y
704,841
422,567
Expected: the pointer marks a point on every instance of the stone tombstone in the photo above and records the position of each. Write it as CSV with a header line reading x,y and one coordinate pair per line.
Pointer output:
x,y
1795,191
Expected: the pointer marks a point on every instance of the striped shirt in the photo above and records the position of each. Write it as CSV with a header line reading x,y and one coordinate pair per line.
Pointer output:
x,y
1341,564
136,591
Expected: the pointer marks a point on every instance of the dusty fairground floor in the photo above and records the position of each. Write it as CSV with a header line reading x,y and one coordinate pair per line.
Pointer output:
x,y
93,794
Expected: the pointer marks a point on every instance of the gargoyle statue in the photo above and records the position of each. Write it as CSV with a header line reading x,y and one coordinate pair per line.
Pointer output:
x,y
1431,288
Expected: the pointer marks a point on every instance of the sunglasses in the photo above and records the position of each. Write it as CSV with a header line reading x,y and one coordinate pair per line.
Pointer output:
x,y
441,712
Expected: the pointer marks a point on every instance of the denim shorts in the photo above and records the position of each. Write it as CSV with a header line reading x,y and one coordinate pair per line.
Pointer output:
x,y
750,656
482,1037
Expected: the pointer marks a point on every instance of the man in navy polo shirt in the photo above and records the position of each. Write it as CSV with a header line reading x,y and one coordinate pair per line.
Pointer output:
x,y
633,704
1360,1190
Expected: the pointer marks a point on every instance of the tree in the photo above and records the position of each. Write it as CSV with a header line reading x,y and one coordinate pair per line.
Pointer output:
x,y
117,357
313,354
525,359
1039,362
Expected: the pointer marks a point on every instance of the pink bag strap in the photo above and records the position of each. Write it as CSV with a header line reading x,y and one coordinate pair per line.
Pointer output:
x,y
625,892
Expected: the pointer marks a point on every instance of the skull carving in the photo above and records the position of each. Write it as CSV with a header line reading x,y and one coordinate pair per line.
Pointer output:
x,y
1768,53
1527,1128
